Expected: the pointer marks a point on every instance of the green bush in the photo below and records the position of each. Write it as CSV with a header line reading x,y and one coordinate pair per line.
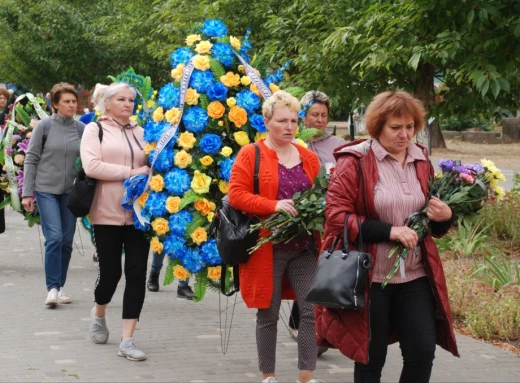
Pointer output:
x,y
463,123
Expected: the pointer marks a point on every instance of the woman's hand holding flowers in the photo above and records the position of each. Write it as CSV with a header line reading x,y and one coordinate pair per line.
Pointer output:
x,y
142,170
287,205
406,236
438,211
28,203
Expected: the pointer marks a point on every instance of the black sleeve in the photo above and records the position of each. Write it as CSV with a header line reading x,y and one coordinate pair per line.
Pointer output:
x,y
373,230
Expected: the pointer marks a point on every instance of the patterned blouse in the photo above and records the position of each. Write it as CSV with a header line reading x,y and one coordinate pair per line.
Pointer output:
x,y
290,181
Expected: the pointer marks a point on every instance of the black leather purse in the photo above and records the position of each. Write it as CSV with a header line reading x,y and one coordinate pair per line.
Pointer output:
x,y
231,230
341,275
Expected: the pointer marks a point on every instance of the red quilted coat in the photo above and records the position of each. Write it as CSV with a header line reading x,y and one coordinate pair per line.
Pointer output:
x,y
349,330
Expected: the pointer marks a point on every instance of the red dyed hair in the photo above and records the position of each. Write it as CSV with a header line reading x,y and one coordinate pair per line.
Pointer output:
x,y
393,104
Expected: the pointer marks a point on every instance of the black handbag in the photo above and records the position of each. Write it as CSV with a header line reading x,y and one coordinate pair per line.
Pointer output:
x,y
341,275
82,194
231,230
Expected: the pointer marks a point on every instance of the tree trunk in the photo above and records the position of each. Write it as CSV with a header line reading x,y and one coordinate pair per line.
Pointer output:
x,y
424,91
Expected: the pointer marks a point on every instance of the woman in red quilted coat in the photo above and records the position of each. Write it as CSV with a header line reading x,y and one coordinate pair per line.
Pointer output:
x,y
384,180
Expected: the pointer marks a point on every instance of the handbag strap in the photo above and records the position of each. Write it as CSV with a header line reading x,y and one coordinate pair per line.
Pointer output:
x,y
256,178
363,194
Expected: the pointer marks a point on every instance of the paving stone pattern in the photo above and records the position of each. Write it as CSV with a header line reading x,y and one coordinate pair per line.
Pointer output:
x,y
181,338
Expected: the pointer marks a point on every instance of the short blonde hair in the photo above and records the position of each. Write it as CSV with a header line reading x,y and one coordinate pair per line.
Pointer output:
x,y
110,91
393,104
280,99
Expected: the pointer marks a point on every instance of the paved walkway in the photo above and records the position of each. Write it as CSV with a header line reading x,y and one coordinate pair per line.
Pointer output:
x,y
181,338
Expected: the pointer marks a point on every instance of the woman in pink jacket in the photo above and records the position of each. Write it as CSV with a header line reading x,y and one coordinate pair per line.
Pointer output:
x,y
118,156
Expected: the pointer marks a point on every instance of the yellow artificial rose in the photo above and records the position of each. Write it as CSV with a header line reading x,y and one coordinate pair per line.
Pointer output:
x,y
200,183
199,236
234,42
201,62
150,103
260,136
204,206
180,273
186,140
253,88
206,160
216,109
156,245
192,97
301,142
173,115
158,114
203,47
182,159
142,199
245,80
191,39
160,226
173,204
274,88
133,118
241,68
177,72
214,273
238,116
149,147
231,101
157,183
221,123
223,186
226,151
241,138
230,79
211,215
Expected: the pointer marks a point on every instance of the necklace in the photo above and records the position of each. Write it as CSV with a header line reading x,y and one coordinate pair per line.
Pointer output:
x,y
289,160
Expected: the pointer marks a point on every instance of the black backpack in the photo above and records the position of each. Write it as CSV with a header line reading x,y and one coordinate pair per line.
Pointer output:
x,y
82,193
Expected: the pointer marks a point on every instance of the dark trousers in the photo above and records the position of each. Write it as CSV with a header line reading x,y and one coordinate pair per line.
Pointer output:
x,y
294,320
409,309
110,240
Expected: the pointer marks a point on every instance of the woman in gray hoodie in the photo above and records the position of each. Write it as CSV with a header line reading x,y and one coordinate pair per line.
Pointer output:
x,y
49,174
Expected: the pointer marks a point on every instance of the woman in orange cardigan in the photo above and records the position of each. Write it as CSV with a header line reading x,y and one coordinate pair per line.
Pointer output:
x,y
267,278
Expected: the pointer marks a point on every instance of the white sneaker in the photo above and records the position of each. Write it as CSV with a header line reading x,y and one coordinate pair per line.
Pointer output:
x,y
270,380
52,298
63,298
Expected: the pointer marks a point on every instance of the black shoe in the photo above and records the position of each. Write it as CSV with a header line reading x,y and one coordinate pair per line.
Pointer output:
x,y
153,282
95,257
322,350
185,292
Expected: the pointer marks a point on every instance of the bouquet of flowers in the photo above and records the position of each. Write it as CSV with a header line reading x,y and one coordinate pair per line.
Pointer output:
x,y
198,123
310,205
26,112
464,188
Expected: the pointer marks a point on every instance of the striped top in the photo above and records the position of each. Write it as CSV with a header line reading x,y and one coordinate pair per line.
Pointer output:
x,y
397,195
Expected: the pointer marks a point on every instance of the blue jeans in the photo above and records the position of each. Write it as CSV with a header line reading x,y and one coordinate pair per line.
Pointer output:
x,y
157,262
58,226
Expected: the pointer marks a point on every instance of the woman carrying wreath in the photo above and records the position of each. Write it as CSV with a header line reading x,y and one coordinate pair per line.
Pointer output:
x,y
384,180
273,272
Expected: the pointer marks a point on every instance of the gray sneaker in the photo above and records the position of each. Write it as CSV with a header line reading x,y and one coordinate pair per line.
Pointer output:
x,y
98,328
129,349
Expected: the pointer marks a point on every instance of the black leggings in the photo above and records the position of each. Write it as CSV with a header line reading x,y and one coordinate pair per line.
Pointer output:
x,y
409,309
110,240
294,319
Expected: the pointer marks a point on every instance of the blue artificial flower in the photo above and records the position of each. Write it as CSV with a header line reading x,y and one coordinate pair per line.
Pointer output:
x,y
209,252
134,187
180,56
248,100
165,159
193,261
225,169
175,246
223,54
177,181
153,130
155,205
210,143
217,92
178,222
169,96
201,80
195,119
245,46
138,225
214,28
257,122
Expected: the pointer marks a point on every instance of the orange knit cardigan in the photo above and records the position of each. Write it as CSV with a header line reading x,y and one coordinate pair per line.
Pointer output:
x,y
256,276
